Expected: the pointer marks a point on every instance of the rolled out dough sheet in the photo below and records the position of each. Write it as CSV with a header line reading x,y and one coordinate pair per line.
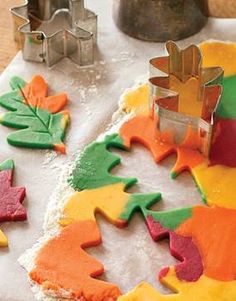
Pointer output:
x,y
94,93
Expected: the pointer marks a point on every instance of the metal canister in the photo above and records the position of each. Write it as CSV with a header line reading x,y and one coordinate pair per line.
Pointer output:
x,y
160,20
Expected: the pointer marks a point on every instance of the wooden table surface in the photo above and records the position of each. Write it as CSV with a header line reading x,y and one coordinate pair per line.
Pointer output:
x,y
8,48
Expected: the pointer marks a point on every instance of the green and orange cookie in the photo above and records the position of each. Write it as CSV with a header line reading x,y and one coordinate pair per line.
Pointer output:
x,y
38,118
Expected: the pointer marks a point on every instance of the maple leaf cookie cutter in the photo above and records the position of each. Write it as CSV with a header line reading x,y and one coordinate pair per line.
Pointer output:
x,y
47,31
181,77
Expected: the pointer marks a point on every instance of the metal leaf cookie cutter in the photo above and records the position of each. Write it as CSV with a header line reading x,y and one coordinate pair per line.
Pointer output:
x,y
184,94
49,30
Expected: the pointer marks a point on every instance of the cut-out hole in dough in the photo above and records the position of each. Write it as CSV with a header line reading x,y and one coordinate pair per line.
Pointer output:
x,y
130,256
152,177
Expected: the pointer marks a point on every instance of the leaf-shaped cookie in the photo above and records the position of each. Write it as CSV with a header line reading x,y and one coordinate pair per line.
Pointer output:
x,y
11,199
41,122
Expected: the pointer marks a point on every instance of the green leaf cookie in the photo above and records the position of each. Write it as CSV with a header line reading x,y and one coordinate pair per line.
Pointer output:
x,y
39,118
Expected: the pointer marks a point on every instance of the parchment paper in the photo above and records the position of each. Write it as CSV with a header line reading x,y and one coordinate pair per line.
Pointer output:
x,y
94,94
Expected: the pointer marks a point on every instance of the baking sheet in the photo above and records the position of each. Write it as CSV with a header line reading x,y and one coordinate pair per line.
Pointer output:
x,y
94,94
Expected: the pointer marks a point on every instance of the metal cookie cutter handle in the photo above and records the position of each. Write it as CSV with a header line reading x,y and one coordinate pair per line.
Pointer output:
x,y
48,31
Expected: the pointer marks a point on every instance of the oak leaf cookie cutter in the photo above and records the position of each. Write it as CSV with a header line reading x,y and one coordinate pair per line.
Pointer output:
x,y
169,77
49,30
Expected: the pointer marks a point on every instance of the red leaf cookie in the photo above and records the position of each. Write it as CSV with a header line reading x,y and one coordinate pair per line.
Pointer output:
x,y
11,198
